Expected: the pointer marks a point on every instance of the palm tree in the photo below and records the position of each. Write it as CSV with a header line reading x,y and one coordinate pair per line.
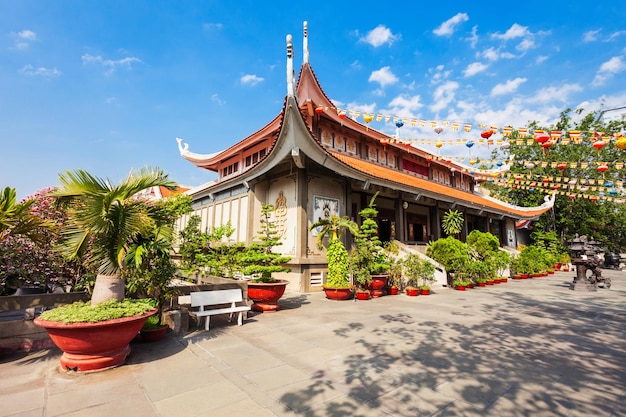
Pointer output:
x,y
336,254
105,220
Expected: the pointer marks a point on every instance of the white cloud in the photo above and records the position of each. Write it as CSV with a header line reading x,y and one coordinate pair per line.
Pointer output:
x,y
507,87
215,98
40,71
210,26
444,95
367,108
438,74
515,31
474,38
447,28
608,69
615,35
110,64
540,59
383,76
24,38
251,79
591,35
405,106
28,35
554,94
475,68
525,44
380,35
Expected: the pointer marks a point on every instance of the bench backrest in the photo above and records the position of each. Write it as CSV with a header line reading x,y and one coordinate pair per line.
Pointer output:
x,y
206,298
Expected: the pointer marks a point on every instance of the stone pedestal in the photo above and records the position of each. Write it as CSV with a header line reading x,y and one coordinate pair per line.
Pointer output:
x,y
177,320
583,286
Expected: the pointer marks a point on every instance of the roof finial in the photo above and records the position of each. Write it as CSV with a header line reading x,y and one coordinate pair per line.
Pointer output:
x,y
290,73
305,43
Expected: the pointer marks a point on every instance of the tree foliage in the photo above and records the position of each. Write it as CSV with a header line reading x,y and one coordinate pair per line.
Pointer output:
x,y
604,219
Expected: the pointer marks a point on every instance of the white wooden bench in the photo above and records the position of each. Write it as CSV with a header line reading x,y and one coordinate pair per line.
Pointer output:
x,y
210,303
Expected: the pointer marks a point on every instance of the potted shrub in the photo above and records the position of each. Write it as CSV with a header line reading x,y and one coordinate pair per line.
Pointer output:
x,y
103,222
451,253
419,272
394,282
337,285
150,275
261,262
367,259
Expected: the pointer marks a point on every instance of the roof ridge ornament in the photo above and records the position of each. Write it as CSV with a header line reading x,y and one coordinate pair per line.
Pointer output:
x,y
290,73
305,44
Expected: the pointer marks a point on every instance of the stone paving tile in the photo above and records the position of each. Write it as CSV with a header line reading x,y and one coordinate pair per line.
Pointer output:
x,y
200,401
269,379
529,348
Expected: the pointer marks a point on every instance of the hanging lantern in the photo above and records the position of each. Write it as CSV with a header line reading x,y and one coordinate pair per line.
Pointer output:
x,y
602,168
319,109
556,186
608,184
542,137
531,189
469,144
518,178
561,166
546,180
473,161
530,165
342,115
407,143
594,198
486,134
438,144
621,142
505,145
599,144
399,123
612,191
572,196
367,118
438,129
572,182
499,163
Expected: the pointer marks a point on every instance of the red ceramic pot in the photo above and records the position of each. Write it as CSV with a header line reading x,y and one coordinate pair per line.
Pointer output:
x,y
266,294
94,346
392,290
424,292
339,293
412,292
361,295
153,335
460,288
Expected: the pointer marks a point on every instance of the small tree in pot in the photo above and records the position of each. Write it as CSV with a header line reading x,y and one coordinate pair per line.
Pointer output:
x,y
338,277
261,262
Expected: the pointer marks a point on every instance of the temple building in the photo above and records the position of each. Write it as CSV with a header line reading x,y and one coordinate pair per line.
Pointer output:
x,y
312,161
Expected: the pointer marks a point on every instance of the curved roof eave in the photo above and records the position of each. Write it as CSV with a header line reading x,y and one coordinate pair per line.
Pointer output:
x,y
440,191
309,88
210,161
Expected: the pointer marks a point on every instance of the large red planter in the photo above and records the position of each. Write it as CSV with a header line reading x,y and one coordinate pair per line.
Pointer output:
x,y
94,346
266,294
362,295
378,284
339,293
412,292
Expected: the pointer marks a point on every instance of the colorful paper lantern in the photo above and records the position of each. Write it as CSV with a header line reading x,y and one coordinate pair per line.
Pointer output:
x,y
438,129
399,123
486,134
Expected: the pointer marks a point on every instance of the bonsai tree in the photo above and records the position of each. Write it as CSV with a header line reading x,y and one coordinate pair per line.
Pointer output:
x,y
367,257
336,253
258,258
419,272
104,220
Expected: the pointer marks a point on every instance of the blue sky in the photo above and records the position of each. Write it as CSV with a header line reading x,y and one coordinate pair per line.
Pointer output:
x,y
107,86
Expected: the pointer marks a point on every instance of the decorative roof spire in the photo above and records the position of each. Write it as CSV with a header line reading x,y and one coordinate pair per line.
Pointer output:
x,y
305,44
290,73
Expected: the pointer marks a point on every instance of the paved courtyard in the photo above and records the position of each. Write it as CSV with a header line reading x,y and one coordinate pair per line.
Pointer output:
x,y
524,348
